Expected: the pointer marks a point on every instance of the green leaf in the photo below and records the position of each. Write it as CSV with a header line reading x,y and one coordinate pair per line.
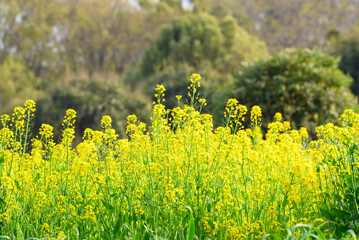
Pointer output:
x,y
352,233
107,205
118,224
327,214
320,233
276,237
353,149
301,225
17,184
306,235
37,177
191,228
113,195
337,197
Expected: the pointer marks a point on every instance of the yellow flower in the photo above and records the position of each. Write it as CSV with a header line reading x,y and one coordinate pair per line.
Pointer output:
x,y
46,131
278,117
45,228
202,101
5,119
69,119
256,114
160,89
30,105
106,122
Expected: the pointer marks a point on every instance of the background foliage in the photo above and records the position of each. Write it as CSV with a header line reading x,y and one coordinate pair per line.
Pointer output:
x,y
45,45
304,85
18,83
346,46
92,99
204,44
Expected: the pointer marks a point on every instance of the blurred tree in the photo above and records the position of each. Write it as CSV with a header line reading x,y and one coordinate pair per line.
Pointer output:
x,y
176,80
92,31
52,36
56,40
107,35
295,23
224,8
196,43
349,63
305,86
159,4
18,84
202,41
29,31
346,46
92,100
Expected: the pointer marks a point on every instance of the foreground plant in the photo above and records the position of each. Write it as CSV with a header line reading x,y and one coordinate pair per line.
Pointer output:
x,y
337,162
176,179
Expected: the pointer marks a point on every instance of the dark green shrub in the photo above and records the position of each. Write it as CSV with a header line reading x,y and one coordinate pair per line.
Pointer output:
x,y
305,86
348,50
92,100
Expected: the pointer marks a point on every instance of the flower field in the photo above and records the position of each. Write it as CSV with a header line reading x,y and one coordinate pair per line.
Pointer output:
x,y
179,178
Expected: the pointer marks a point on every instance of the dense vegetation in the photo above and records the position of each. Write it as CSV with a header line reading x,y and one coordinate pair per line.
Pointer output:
x,y
92,99
202,41
179,179
179,169
48,45
214,48
304,85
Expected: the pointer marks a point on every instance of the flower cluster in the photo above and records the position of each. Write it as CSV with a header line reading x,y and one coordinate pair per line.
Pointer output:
x,y
236,183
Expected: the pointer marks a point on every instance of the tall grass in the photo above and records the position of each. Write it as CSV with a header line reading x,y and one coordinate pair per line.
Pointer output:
x,y
178,178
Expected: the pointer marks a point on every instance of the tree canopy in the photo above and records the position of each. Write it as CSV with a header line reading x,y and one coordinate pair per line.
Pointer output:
x,y
288,24
202,41
92,99
346,46
18,84
306,86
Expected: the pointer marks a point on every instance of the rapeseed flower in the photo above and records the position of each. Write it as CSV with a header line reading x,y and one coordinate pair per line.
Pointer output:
x,y
237,183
